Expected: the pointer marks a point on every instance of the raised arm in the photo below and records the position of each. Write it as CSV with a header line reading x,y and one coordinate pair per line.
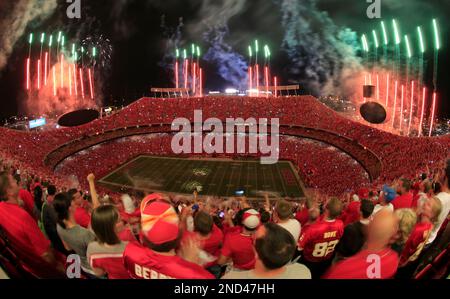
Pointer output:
x,y
94,195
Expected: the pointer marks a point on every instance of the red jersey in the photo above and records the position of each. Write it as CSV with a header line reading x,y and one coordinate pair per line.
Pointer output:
x,y
351,213
320,239
416,242
28,201
211,246
82,217
143,263
366,265
109,259
302,216
404,201
25,237
239,248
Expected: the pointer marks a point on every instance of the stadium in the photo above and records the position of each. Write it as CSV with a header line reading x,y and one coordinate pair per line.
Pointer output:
x,y
89,189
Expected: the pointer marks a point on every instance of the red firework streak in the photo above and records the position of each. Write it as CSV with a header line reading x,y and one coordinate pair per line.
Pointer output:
x,y
395,103
75,79
433,111
70,80
45,68
423,110
39,74
275,82
62,70
194,77
28,73
186,67
257,79
266,74
378,88
54,81
411,107
81,83
387,91
201,82
177,84
401,107
91,87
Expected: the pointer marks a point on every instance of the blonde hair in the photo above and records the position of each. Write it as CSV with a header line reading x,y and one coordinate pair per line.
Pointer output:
x,y
436,208
407,220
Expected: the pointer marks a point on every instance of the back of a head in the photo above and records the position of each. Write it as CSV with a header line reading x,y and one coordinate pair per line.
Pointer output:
x,y
51,190
407,219
274,245
366,208
61,204
382,228
203,223
283,209
334,208
159,223
406,184
103,222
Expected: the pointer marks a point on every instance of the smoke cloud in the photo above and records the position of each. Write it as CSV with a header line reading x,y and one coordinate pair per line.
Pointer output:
x,y
15,16
322,55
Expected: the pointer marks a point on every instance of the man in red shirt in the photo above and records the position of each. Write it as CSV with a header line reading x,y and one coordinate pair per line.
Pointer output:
x,y
25,237
421,232
27,198
82,216
319,241
351,214
405,200
377,260
238,245
156,258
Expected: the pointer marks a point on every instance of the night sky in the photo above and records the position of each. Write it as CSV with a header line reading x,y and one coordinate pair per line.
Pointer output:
x,y
140,38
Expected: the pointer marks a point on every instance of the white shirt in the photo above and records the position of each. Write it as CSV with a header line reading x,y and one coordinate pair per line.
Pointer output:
x,y
378,207
293,271
444,197
292,226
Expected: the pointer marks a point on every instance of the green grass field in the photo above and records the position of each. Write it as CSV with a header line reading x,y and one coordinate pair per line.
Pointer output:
x,y
212,177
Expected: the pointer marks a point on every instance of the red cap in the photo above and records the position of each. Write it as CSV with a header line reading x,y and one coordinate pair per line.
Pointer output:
x,y
251,219
159,221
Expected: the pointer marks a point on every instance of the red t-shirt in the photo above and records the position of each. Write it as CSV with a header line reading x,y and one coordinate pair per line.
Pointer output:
x,y
302,216
352,213
108,259
404,201
144,263
25,237
212,245
239,248
28,201
415,242
364,266
320,239
82,217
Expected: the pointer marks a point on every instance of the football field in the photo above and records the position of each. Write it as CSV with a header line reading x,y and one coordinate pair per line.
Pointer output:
x,y
210,177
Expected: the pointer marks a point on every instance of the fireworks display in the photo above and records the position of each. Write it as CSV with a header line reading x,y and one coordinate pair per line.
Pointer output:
x,y
191,72
401,70
60,76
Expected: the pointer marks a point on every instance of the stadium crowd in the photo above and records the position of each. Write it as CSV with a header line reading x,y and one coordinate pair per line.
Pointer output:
x,y
149,236
47,218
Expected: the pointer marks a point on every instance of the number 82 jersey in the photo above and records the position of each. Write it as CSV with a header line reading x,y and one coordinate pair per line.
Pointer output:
x,y
320,239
